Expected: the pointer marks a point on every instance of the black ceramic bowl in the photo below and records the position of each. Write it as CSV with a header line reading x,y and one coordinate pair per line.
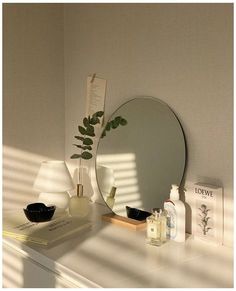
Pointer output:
x,y
39,212
137,214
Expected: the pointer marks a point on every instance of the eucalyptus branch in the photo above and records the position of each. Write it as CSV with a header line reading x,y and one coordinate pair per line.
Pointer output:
x,y
87,134
113,124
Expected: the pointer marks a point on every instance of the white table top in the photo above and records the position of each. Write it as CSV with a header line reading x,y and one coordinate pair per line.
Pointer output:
x,y
109,255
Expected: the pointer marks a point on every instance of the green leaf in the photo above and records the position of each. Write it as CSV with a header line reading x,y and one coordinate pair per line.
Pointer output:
x,y
90,127
94,120
99,113
103,133
118,119
87,148
123,121
83,147
108,126
90,131
86,155
87,141
75,156
114,124
86,122
90,134
82,130
79,137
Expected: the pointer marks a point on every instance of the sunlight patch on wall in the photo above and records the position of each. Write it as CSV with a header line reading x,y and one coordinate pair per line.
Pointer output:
x,y
13,268
123,175
19,171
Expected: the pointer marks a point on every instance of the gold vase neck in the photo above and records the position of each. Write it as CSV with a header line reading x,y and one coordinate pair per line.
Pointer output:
x,y
80,189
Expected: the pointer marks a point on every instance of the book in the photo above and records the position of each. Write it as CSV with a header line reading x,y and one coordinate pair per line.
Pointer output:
x,y
16,225
207,212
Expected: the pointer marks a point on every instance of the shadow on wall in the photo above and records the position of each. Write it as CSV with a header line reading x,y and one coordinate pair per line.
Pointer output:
x,y
19,172
20,169
124,172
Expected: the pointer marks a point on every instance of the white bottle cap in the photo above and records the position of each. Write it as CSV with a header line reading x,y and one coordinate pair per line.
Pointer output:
x,y
174,193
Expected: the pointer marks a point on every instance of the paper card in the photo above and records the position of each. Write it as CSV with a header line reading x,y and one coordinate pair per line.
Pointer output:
x,y
96,92
207,212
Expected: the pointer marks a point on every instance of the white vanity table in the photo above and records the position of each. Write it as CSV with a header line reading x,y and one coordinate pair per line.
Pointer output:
x,y
112,256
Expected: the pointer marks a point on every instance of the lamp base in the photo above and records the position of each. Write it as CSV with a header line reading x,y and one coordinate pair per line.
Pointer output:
x,y
59,199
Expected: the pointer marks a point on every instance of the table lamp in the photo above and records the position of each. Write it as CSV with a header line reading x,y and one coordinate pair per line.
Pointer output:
x,y
105,177
54,180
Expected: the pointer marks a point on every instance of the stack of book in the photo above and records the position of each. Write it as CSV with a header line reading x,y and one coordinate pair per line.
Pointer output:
x,y
16,225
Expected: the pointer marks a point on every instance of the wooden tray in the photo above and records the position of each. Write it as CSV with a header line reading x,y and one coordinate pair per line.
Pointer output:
x,y
124,221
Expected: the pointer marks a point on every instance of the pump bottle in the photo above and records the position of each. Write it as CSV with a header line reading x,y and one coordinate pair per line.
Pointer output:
x,y
175,215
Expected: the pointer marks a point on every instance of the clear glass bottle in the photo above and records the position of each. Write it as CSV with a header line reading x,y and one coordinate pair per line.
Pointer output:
x,y
79,205
156,227
110,200
166,218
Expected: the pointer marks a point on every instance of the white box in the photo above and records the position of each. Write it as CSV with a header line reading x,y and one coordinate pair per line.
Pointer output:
x,y
207,212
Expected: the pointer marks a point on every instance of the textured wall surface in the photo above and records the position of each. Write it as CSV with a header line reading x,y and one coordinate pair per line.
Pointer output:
x,y
180,53
33,95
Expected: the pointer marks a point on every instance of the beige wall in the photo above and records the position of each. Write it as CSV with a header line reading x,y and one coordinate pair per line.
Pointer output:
x,y
33,96
180,53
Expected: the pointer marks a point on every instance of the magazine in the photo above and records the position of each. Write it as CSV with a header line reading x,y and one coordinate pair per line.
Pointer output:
x,y
16,225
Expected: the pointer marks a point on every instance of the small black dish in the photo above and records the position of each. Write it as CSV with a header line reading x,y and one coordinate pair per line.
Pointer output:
x,y
137,214
39,212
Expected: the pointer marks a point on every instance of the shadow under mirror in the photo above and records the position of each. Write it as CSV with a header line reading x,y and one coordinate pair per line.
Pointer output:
x,y
143,158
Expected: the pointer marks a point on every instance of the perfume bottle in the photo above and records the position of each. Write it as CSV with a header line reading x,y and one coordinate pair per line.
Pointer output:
x,y
156,227
110,200
79,205
164,227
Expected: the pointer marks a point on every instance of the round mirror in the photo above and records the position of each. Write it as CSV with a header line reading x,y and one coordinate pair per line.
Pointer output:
x,y
140,157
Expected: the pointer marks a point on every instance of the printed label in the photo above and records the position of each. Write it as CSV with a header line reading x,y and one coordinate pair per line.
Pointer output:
x,y
204,193
152,230
171,220
205,219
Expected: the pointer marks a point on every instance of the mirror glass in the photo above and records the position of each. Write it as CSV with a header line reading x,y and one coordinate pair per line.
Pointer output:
x,y
142,158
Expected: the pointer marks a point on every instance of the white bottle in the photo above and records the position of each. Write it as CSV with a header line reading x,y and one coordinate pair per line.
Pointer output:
x,y
175,215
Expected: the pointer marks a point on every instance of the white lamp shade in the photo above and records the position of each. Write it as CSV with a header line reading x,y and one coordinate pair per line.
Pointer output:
x,y
105,177
53,176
